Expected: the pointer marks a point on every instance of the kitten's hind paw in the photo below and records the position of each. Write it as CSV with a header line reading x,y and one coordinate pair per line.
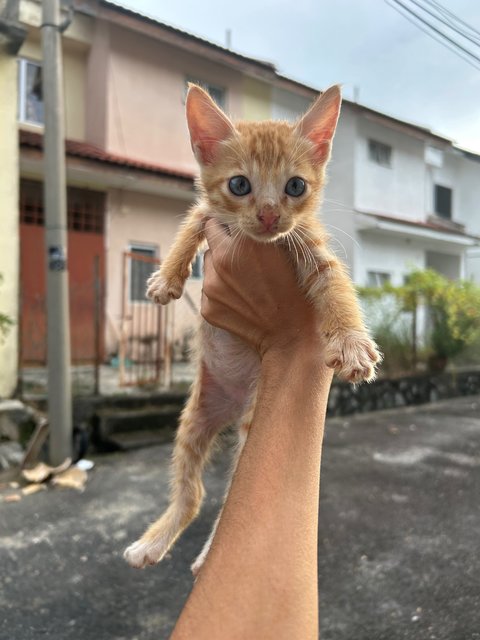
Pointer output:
x,y
353,355
142,554
161,290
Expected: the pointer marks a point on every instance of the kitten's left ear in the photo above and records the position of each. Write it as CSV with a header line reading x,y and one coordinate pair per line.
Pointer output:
x,y
207,123
320,122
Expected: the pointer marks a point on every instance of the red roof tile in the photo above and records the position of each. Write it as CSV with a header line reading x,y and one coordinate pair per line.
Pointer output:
x,y
89,151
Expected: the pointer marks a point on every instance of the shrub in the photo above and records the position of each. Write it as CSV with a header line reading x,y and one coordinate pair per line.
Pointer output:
x,y
453,313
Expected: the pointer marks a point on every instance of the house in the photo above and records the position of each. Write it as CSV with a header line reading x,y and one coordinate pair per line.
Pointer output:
x,y
130,174
402,197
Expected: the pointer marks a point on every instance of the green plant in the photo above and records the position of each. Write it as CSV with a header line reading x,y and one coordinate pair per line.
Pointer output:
x,y
5,321
392,330
453,311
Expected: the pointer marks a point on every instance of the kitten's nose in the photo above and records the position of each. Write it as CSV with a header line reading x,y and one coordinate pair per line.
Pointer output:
x,y
268,217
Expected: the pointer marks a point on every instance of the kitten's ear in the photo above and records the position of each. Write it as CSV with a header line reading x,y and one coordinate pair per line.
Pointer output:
x,y
207,123
320,122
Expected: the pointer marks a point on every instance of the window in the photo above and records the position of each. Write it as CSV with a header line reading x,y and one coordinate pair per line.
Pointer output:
x,y
197,266
380,153
142,264
377,278
85,208
216,92
443,202
30,104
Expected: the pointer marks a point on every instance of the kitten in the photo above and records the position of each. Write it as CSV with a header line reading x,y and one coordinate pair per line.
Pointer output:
x,y
263,179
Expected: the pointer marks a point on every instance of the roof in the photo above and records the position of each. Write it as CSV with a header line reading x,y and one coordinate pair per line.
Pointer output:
x,y
443,227
120,8
75,148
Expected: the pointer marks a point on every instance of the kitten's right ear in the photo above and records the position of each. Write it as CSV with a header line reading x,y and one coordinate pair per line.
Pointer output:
x,y
320,121
207,123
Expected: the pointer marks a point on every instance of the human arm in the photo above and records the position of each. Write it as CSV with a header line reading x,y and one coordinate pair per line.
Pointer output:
x,y
260,577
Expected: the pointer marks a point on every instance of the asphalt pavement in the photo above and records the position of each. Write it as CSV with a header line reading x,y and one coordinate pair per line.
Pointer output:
x,y
398,539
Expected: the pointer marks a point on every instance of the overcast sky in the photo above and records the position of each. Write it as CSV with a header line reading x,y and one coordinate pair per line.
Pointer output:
x,y
397,68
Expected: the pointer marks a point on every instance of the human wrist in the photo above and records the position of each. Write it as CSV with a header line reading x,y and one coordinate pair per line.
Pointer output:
x,y
306,350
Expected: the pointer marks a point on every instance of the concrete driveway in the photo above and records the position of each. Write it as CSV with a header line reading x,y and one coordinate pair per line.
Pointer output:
x,y
398,540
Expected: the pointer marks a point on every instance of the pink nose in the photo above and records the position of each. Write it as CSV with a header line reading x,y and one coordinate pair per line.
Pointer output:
x,y
269,219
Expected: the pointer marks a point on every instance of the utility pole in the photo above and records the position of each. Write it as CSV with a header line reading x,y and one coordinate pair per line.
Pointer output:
x,y
55,206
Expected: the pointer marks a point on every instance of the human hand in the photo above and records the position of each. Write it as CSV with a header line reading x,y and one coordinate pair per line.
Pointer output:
x,y
251,290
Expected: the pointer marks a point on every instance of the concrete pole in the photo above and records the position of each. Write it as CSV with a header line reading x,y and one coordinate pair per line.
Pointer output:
x,y
55,203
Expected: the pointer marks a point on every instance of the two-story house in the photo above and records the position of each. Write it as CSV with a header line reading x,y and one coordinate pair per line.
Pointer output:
x,y
398,195
403,197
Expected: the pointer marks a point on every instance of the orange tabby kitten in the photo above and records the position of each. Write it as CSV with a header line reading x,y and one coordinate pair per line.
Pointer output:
x,y
265,180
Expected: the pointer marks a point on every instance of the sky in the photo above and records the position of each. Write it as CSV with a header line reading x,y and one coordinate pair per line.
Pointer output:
x,y
397,69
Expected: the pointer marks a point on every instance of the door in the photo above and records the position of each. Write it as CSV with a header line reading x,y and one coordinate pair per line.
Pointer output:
x,y
86,273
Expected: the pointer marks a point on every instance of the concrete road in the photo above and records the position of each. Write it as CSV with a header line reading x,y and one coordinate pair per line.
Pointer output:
x,y
398,541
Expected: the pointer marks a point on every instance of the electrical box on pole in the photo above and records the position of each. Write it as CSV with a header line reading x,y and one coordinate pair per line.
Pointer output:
x,y
58,321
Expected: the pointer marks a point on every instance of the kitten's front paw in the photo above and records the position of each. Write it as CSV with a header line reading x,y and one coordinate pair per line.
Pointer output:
x,y
141,554
161,290
353,355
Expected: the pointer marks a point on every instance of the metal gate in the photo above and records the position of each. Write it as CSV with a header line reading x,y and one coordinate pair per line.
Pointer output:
x,y
144,348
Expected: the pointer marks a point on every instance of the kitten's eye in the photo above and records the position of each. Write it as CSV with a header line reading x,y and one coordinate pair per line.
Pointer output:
x,y
239,186
295,187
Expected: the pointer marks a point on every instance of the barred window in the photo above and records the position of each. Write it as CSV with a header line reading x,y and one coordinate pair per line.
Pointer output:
x,y
380,153
142,264
85,208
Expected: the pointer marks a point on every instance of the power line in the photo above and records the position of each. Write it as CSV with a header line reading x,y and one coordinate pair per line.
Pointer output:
x,y
448,22
441,33
452,16
443,38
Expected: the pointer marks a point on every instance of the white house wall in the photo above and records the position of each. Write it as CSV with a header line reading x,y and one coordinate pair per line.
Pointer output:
x,y
387,254
468,211
398,190
287,105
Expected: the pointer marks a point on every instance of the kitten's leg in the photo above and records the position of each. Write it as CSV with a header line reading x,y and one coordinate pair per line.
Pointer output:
x,y
349,349
242,438
204,416
167,283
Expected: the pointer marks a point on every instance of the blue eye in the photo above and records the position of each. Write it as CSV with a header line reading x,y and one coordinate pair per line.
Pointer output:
x,y
239,185
295,187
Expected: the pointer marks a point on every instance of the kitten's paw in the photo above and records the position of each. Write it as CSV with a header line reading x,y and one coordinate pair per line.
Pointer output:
x,y
353,355
161,290
141,554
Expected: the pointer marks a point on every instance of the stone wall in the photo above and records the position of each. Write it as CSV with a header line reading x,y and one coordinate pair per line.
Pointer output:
x,y
346,399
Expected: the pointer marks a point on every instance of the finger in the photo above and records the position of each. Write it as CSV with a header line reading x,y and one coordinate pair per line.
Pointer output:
x,y
216,235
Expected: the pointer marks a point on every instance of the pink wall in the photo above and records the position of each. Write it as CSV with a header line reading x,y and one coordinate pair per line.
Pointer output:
x,y
146,83
97,85
148,220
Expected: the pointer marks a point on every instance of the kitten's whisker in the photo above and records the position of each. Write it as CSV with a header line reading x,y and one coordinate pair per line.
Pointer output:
x,y
337,202
347,234
294,245
235,245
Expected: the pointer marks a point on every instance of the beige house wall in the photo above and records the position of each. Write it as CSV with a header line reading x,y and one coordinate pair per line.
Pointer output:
x,y
9,232
257,100
150,221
